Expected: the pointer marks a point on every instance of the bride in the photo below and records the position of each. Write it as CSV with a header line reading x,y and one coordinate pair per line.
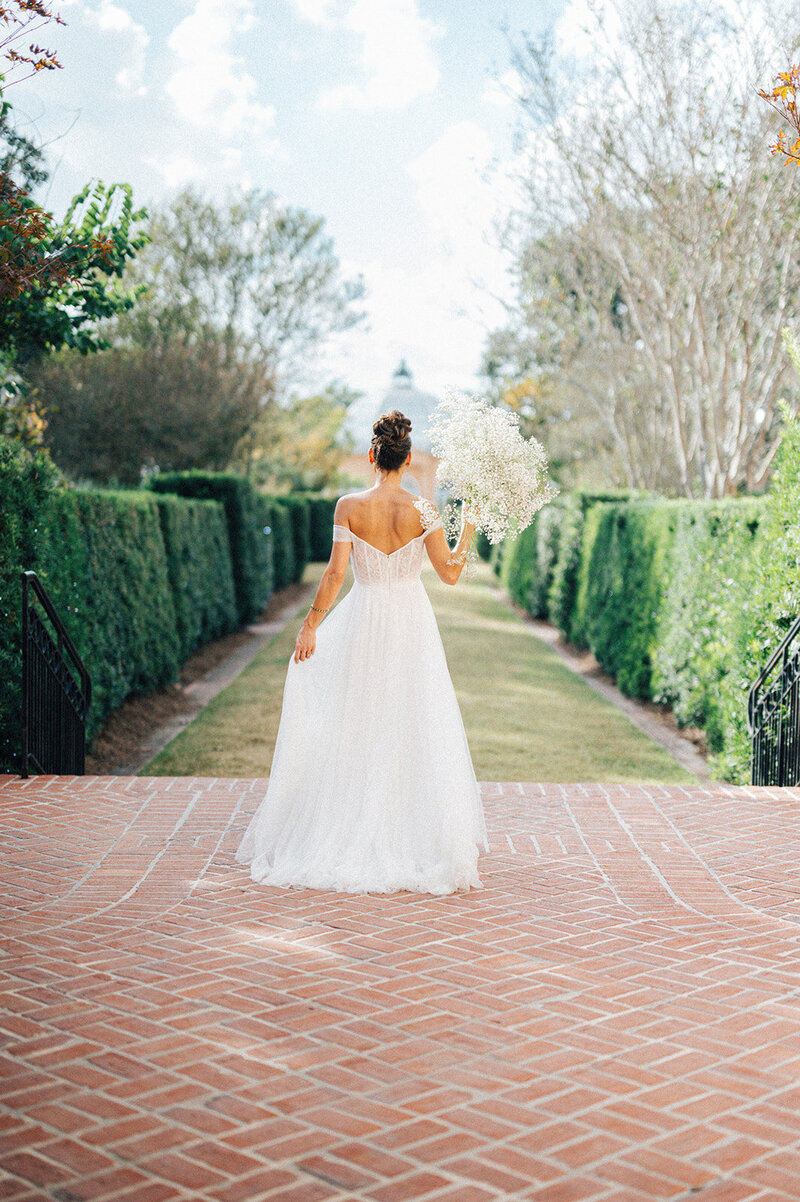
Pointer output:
x,y
372,788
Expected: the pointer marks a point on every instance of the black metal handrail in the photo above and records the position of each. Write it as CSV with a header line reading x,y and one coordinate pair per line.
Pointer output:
x,y
55,705
773,716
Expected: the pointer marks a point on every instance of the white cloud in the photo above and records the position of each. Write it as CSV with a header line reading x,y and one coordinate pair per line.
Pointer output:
x,y
436,311
462,192
112,19
396,51
210,88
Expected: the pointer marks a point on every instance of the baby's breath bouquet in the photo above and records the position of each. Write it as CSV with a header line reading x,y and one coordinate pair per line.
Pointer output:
x,y
499,476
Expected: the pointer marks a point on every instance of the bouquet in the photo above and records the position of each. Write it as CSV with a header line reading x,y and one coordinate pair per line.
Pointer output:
x,y
499,476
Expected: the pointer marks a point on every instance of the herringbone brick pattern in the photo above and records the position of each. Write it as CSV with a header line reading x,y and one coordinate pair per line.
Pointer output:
x,y
615,1016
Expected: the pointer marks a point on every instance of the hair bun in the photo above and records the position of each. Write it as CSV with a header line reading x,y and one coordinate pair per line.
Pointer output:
x,y
392,428
391,440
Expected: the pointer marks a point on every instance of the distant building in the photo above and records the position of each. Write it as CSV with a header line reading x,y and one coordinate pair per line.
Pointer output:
x,y
417,405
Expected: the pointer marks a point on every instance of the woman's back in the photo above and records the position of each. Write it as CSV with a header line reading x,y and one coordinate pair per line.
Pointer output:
x,y
385,522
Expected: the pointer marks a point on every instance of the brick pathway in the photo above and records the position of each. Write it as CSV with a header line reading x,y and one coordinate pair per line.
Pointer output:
x,y
615,1016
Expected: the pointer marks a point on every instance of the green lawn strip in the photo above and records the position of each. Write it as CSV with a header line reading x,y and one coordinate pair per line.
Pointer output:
x,y
527,716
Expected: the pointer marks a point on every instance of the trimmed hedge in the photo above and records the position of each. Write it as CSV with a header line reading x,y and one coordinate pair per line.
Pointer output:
x,y
682,601
563,587
300,518
245,514
26,484
621,580
528,561
320,511
713,565
282,542
200,571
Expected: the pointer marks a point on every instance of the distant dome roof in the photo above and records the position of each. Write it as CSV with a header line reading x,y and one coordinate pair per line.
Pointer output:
x,y
401,394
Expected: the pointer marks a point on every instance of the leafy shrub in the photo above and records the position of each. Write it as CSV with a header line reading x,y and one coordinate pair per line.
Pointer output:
x,y
548,524
200,573
483,546
245,517
300,517
712,569
321,510
621,581
282,541
519,566
114,561
563,589
27,484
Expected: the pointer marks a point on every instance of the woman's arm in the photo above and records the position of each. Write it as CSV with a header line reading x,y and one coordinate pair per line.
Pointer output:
x,y
449,564
327,592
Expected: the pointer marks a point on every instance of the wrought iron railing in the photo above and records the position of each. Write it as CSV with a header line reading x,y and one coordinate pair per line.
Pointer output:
x,y
56,689
773,716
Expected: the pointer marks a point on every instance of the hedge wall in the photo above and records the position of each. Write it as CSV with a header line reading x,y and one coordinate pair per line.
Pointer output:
x,y
141,578
712,570
246,517
320,511
673,597
200,571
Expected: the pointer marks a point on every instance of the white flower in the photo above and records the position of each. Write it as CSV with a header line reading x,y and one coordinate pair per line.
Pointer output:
x,y
499,476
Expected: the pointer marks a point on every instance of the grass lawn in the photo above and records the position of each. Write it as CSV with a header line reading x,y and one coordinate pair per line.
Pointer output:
x,y
528,718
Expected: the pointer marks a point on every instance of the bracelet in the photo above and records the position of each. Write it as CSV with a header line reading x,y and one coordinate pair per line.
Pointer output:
x,y
319,611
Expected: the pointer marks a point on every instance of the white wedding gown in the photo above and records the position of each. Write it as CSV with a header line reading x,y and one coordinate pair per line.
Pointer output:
x,y
372,787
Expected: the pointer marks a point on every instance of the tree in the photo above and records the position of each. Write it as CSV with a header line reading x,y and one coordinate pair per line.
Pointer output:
x,y
254,268
299,444
57,279
656,257
230,299
170,405
57,282
19,19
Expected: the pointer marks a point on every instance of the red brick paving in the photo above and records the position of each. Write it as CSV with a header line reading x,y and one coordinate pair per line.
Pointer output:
x,y
615,1016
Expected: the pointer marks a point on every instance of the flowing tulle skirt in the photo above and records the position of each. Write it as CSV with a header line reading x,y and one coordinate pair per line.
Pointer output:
x,y
372,787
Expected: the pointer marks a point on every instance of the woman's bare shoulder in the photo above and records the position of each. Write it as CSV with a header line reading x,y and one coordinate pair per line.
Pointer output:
x,y
347,504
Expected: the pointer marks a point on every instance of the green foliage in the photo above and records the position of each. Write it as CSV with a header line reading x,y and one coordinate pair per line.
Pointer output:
x,y
483,546
66,272
299,513
622,577
200,572
245,516
548,524
772,602
281,541
519,566
320,510
107,572
28,481
563,589
299,444
711,574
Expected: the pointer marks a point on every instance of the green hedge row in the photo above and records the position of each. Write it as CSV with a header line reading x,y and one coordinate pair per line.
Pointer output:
x,y
662,592
140,578
247,516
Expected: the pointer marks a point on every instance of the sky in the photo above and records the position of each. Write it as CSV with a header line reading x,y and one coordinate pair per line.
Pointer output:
x,y
392,119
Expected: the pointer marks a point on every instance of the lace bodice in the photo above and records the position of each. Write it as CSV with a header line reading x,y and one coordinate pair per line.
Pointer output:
x,y
373,567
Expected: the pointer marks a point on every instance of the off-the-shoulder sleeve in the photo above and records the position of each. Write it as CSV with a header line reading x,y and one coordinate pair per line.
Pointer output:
x,y
428,515
341,534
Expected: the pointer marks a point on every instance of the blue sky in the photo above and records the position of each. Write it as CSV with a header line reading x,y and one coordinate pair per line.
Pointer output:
x,y
384,116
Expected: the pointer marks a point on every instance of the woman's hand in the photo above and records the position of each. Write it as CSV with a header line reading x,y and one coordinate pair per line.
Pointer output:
x,y
306,643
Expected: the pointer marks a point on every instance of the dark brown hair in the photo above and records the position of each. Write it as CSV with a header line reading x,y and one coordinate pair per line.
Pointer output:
x,y
390,440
